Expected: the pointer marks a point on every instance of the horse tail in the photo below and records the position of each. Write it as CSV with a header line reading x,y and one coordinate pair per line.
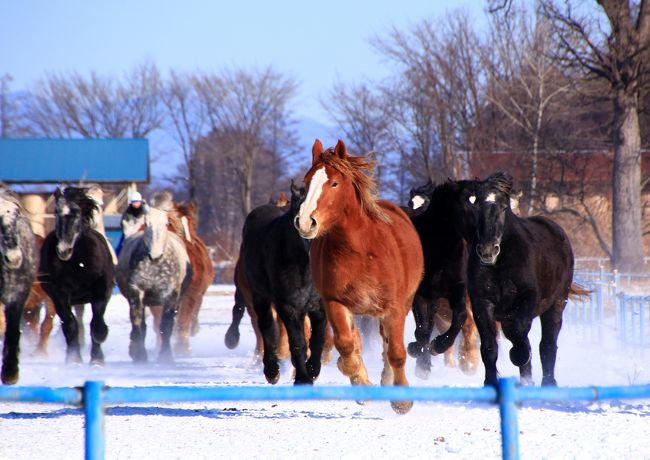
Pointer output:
x,y
578,292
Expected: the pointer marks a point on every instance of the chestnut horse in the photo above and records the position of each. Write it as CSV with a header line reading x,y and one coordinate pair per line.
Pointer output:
x,y
182,221
366,258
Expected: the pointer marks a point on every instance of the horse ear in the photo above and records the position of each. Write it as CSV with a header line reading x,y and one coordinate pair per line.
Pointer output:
x,y
58,193
316,150
340,149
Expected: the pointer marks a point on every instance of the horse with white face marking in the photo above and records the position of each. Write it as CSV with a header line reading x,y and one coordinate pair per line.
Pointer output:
x,y
77,268
153,269
17,272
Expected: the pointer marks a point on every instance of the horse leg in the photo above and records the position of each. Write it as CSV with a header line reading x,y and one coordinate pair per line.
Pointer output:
x,y
484,316
469,354
156,314
46,328
137,351
517,332
167,327
294,321
70,329
347,341
184,322
267,327
423,327
392,328
318,322
98,331
232,334
31,318
12,313
442,320
79,315
283,349
329,343
458,316
551,321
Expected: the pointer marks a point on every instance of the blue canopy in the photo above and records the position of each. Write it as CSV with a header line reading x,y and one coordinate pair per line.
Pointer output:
x,y
74,160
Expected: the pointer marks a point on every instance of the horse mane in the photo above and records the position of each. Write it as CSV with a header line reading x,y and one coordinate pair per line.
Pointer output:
x,y
360,169
80,197
163,201
502,181
9,195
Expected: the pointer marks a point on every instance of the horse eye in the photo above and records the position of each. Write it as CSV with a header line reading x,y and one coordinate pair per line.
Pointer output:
x,y
472,199
334,184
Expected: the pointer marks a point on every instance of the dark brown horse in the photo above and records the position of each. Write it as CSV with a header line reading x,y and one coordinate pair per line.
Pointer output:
x,y
366,259
31,313
182,221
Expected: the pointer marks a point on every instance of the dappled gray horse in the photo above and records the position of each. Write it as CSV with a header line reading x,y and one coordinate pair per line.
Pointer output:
x,y
17,272
153,269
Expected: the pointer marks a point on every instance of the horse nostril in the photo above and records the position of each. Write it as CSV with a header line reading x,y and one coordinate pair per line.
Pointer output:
x,y
314,224
296,223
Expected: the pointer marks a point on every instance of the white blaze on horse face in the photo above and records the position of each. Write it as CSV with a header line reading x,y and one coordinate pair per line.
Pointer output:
x,y
308,206
472,199
418,201
65,210
491,198
186,229
156,232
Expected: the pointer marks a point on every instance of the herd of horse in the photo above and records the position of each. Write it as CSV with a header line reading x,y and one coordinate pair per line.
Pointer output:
x,y
309,267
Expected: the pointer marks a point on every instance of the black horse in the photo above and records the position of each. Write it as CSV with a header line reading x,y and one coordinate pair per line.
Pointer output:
x,y
77,268
17,271
276,261
445,271
518,269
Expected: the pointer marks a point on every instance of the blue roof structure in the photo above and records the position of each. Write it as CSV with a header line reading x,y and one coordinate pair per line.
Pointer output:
x,y
74,160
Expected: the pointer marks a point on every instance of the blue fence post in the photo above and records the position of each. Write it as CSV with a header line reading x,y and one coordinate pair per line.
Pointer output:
x,y
509,424
93,402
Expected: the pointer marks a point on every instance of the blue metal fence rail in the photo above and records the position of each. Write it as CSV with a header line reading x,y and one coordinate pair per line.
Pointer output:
x,y
94,396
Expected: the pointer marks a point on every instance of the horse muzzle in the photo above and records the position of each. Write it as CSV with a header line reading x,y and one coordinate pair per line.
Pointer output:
x,y
488,253
13,258
308,230
64,252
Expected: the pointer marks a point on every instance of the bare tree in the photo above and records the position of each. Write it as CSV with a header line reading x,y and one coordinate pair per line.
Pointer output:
x,y
186,122
359,113
524,80
252,108
438,94
617,55
97,106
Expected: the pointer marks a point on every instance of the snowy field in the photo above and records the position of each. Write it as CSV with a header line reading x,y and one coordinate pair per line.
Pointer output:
x,y
321,429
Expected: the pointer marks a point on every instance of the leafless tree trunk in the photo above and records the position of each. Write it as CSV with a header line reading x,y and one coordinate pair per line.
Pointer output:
x,y
617,56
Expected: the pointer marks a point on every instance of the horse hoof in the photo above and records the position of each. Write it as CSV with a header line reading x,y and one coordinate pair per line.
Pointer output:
x,y
182,348
232,339
519,356
549,382
272,379
138,355
73,358
414,349
401,407
97,363
9,377
422,372
439,345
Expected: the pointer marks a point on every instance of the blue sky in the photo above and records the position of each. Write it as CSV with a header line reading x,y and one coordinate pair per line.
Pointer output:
x,y
314,42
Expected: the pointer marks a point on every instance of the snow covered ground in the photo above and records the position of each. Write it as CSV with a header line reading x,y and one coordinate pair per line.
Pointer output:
x,y
322,429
